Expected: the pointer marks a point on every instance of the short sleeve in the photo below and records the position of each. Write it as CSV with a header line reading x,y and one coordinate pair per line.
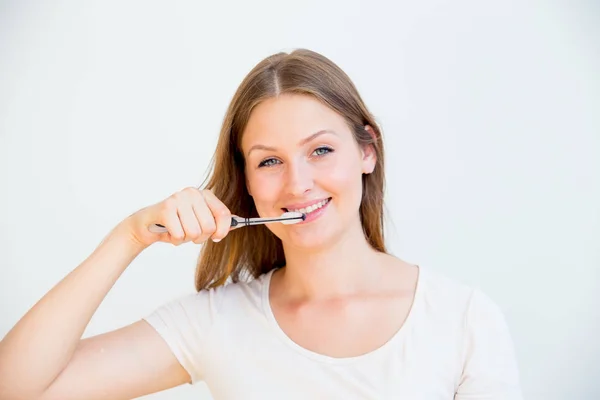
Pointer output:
x,y
185,324
490,370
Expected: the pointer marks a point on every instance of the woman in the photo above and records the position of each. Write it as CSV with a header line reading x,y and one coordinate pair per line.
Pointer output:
x,y
315,310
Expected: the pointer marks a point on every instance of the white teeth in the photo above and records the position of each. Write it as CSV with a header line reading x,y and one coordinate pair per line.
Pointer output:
x,y
312,208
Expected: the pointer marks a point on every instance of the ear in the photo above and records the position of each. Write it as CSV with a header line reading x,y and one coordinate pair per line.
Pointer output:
x,y
369,158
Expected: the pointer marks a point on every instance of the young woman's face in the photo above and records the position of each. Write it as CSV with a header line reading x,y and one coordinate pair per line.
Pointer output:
x,y
301,156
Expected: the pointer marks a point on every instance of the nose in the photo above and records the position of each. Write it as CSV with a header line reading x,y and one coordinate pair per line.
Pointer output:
x,y
299,179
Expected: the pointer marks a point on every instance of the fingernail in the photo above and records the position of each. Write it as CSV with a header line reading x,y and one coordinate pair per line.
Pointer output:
x,y
216,240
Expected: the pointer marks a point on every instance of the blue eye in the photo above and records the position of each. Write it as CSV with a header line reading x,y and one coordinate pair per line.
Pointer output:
x,y
319,152
323,150
268,162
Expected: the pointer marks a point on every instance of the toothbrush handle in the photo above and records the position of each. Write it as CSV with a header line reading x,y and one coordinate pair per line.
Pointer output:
x,y
158,228
235,223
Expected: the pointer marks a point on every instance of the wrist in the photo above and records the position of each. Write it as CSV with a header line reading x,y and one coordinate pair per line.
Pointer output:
x,y
122,237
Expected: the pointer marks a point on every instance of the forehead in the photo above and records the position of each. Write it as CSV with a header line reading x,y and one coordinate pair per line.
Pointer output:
x,y
290,116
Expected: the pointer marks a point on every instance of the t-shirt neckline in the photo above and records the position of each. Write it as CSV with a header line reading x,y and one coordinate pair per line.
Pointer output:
x,y
268,311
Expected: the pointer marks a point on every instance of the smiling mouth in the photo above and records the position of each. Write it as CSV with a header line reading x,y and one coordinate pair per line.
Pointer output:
x,y
312,208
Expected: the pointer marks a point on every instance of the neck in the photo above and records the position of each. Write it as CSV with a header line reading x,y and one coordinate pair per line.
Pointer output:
x,y
337,269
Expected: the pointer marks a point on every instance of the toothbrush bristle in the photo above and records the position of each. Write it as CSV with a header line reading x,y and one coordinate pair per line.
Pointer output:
x,y
294,217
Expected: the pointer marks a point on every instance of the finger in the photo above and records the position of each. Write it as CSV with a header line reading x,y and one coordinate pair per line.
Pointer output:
x,y
204,218
189,222
221,214
186,214
170,219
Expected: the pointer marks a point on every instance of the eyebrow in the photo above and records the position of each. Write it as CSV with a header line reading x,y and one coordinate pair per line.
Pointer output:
x,y
301,143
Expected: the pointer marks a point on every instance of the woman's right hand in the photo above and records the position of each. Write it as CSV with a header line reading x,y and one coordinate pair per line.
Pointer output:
x,y
190,215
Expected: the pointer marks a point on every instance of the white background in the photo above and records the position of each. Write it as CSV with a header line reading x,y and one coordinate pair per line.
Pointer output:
x,y
491,120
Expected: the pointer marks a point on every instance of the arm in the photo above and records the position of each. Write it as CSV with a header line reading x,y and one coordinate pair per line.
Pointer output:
x,y
123,364
43,356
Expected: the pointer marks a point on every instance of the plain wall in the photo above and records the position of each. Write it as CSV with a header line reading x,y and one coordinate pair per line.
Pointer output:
x,y
490,114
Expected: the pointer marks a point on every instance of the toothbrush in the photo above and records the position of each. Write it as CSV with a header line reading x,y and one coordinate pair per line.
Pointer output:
x,y
287,218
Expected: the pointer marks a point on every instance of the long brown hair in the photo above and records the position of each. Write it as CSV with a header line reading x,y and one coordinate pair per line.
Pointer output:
x,y
252,252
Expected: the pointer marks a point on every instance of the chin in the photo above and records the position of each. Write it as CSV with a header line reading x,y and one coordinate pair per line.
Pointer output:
x,y
305,246
311,238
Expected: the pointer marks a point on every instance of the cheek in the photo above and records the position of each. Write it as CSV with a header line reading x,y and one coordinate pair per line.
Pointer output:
x,y
343,176
265,188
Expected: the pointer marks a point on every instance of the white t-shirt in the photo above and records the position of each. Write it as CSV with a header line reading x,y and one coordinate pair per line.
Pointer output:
x,y
454,344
